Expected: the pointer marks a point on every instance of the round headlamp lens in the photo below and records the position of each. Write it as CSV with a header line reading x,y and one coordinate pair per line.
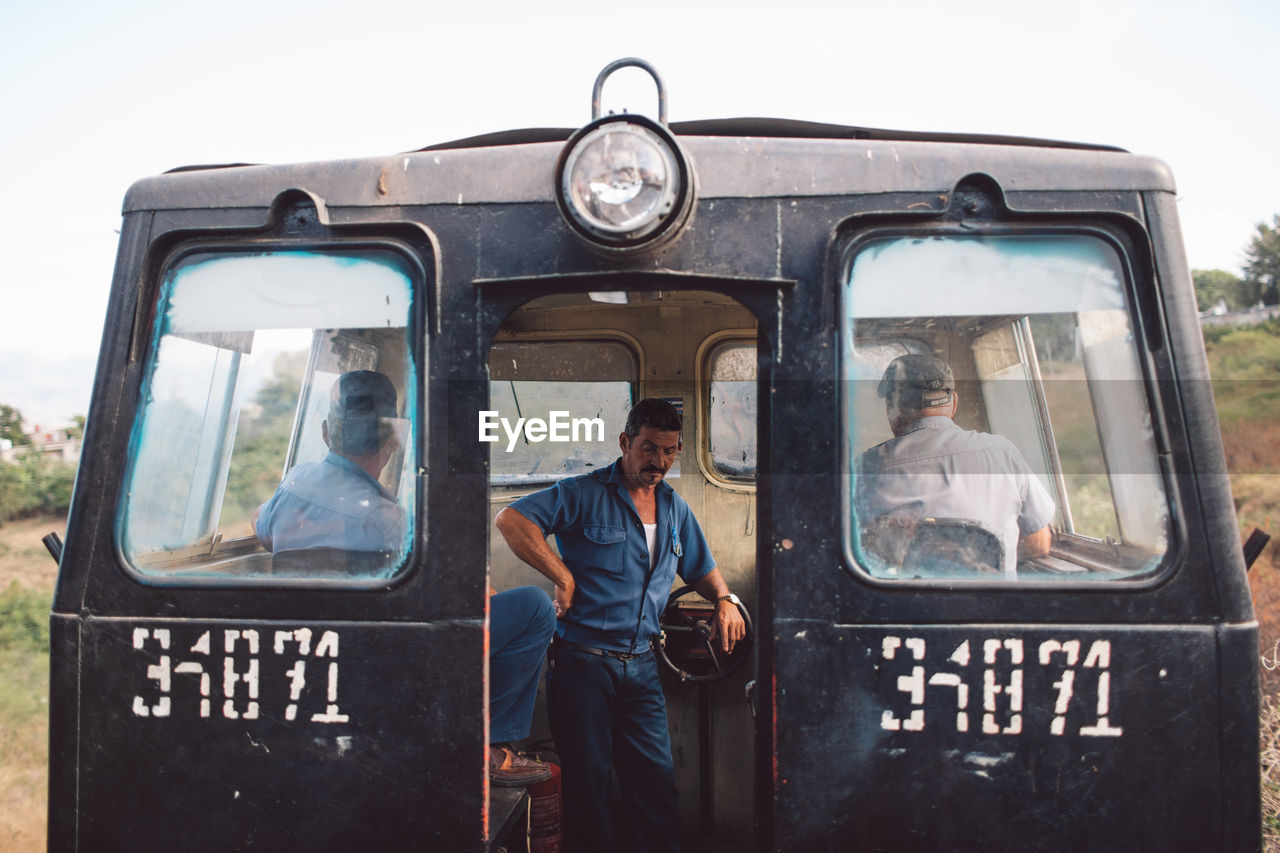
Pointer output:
x,y
621,180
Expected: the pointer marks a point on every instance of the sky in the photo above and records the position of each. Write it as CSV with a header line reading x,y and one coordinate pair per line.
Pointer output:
x,y
94,96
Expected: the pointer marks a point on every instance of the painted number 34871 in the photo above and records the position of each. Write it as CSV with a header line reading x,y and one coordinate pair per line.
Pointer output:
x,y
226,668
986,679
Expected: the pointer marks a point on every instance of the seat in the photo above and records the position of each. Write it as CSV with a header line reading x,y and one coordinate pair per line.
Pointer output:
x,y
333,563
953,548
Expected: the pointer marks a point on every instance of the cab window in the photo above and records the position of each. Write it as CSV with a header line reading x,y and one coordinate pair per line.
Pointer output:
x,y
555,408
731,407
280,388
1015,441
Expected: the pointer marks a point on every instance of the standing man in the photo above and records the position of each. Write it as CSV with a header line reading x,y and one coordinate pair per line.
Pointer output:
x,y
623,534
934,468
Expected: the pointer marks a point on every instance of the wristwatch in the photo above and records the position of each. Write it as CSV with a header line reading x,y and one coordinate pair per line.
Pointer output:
x,y
730,598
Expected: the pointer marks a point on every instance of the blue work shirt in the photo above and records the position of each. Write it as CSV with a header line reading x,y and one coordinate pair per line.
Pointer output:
x,y
618,600
333,503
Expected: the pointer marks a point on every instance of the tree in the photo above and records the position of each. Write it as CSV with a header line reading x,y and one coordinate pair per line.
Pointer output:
x,y
1262,261
11,425
1213,286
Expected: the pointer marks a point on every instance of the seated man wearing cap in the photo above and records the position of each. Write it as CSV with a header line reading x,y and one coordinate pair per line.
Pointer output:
x,y
934,469
338,503
335,513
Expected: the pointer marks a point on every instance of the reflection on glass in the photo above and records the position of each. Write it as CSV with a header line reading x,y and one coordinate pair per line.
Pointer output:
x,y
237,399
1036,331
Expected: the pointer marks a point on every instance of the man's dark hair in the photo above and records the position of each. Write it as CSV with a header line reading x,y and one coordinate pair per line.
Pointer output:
x,y
653,413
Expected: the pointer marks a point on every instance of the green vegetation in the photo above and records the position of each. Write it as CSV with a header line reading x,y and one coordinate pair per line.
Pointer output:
x,y
1261,280
24,620
35,485
1262,260
262,440
11,426
1245,366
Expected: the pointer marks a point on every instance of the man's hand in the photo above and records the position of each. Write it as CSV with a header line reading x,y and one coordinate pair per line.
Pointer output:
x,y
563,598
728,626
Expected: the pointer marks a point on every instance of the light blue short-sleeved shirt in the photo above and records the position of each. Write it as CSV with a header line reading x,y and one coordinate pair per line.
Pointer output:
x,y
618,599
333,503
938,469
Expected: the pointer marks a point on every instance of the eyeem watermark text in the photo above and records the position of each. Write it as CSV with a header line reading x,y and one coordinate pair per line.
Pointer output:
x,y
558,427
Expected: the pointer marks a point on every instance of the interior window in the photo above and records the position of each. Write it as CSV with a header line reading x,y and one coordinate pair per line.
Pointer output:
x,y
1015,443
275,434
546,419
731,409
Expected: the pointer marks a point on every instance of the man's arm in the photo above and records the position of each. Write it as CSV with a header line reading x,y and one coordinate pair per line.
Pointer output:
x,y
1035,544
728,624
527,541
262,535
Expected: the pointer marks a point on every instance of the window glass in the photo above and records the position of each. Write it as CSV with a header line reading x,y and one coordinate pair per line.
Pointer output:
x,y
555,408
275,435
732,408
1014,440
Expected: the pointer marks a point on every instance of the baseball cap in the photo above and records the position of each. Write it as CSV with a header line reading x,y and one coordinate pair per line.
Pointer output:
x,y
363,392
362,401
921,381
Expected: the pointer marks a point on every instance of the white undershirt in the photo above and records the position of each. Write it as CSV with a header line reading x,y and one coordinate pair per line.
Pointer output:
x,y
651,539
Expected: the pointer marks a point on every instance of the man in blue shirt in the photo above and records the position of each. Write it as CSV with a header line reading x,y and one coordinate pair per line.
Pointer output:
x,y
623,534
338,505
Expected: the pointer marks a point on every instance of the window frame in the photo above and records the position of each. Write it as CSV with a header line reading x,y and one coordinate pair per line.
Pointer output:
x,y
702,407
1082,550
415,407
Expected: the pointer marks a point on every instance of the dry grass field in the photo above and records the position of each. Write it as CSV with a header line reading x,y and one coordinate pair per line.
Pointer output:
x,y
26,589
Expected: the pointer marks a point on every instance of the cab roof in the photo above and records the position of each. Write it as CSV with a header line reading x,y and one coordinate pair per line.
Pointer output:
x,y
780,128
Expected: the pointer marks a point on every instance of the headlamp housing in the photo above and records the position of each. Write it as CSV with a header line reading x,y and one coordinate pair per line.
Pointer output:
x,y
623,183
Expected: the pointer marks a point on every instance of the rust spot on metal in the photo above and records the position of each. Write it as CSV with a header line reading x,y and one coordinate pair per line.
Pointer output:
x,y
382,183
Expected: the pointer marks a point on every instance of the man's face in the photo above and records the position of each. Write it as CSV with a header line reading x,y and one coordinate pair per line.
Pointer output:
x,y
648,457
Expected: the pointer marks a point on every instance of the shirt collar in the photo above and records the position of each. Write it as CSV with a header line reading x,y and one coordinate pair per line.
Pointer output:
x,y
347,465
930,422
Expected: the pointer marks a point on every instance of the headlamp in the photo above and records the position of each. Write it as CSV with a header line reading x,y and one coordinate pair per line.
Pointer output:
x,y
622,182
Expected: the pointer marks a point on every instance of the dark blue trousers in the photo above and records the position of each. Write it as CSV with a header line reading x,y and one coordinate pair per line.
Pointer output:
x,y
521,622
605,711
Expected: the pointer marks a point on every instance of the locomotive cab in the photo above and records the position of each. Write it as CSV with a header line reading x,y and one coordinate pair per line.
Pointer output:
x,y
912,681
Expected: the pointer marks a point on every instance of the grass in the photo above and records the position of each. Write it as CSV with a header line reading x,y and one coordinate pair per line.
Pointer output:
x,y
26,592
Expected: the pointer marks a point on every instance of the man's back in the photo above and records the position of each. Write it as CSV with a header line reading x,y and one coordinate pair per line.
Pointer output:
x,y
332,504
935,469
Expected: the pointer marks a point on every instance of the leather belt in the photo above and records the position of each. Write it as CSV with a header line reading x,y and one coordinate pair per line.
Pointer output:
x,y
604,653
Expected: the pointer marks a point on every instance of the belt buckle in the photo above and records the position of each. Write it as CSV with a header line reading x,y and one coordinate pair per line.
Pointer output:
x,y
625,656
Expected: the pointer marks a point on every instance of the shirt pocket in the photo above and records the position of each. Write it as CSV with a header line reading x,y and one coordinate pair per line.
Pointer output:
x,y
604,546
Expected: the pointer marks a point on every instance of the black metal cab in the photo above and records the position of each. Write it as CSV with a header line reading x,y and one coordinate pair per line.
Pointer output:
x,y
521,291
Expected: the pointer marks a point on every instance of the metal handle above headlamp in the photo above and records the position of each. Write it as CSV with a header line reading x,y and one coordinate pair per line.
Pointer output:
x,y
622,182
